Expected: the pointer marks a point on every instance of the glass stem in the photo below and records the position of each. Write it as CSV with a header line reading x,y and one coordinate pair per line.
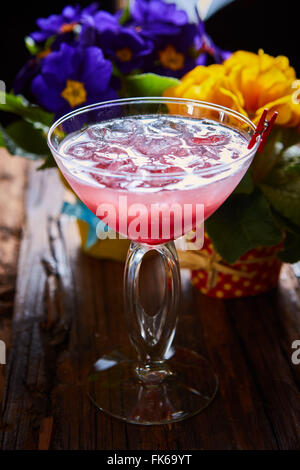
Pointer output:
x,y
152,335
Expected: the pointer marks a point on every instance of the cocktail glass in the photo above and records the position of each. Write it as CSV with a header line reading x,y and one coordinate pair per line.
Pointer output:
x,y
163,384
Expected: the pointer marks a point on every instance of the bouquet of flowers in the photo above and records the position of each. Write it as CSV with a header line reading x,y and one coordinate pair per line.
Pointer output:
x,y
84,56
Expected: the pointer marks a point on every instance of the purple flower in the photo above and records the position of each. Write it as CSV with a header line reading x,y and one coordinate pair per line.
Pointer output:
x,y
63,23
73,77
157,17
126,48
93,25
178,45
27,72
177,42
175,55
123,45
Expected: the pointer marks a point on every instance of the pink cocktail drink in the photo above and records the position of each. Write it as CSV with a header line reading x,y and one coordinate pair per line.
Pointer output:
x,y
147,176
152,169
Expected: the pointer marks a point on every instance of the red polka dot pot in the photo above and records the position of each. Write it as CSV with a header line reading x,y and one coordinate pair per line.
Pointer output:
x,y
257,271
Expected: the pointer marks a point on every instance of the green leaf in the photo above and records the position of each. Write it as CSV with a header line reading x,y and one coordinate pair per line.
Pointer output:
x,y
31,45
49,42
34,48
242,223
116,72
291,251
148,84
2,141
282,186
20,106
294,168
125,15
14,149
291,159
246,185
285,224
48,163
28,137
285,200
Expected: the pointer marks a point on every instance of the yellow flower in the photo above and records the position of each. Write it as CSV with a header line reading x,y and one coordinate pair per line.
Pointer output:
x,y
247,83
124,54
74,93
170,58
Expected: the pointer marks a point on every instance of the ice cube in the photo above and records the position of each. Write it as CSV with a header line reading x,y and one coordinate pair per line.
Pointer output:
x,y
158,146
96,132
124,125
121,131
82,150
163,126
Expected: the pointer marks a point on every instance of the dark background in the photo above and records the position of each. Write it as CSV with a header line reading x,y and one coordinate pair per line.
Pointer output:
x,y
244,24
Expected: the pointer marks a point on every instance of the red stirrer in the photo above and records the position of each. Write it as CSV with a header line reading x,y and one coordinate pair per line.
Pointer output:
x,y
263,130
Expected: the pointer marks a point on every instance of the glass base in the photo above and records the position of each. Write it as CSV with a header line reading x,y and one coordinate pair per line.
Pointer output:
x,y
189,387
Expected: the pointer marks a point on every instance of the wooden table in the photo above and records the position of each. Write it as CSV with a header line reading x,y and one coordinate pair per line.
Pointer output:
x,y
60,310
